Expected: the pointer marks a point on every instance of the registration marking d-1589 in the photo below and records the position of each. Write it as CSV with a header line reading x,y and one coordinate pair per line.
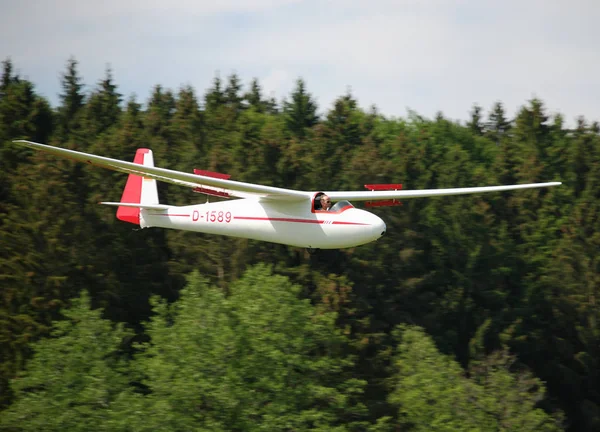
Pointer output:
x,y
212,216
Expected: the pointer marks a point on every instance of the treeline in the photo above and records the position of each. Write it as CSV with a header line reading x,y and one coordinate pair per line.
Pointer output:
x,y
504,285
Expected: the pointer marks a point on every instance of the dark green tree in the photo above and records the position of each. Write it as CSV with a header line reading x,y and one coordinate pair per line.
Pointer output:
x,y
74,378
432,393
233,95
498,125
475,124
72,100
215,96
103,109
300,112
259,359
8,77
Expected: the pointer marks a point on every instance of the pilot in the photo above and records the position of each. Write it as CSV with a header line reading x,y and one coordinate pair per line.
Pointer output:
x,y
325,202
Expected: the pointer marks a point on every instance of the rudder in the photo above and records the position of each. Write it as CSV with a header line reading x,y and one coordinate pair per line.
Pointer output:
x,y
138,189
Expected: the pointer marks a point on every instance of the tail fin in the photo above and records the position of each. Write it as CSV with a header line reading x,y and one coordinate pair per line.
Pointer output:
x,y
138,190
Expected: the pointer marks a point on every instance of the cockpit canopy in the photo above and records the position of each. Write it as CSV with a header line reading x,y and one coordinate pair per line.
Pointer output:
x,y
337,207
340,205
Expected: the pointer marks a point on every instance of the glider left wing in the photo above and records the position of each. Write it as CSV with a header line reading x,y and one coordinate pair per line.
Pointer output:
x,y
230,187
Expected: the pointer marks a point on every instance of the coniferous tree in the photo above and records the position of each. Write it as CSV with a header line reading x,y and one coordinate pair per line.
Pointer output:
x,y
103,109
498,125
301,112
254,95
7,77
23,317
215,97
233,96
475,124
72,100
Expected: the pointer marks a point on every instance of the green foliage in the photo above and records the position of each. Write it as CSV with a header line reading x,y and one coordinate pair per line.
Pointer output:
x,y
433,394
73,378
72,101
103,110
300,113
259,359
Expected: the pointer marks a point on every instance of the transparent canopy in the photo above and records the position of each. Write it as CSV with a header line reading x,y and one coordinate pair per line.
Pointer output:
x,y
340,205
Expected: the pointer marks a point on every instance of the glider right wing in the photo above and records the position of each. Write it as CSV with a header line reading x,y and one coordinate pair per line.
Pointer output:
x,y
403,194
223,186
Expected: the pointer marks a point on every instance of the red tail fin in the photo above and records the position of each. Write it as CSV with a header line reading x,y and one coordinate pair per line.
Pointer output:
x,y
133,192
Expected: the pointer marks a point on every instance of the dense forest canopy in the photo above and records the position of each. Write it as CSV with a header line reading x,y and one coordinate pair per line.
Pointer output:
x,y
475,312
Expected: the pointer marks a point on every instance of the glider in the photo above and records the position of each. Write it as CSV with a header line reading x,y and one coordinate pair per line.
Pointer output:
x,y
265,213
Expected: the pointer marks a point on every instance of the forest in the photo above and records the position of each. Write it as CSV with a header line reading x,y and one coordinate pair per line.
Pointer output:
x,y
472,313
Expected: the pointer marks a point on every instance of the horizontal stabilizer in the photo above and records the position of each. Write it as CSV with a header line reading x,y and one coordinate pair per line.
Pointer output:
x,y
138,205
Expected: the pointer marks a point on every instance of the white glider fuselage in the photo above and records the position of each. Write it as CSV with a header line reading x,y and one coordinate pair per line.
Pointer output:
x,y
290,223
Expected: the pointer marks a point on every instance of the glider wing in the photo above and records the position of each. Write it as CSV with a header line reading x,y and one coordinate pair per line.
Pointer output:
x,y
222,186
404,194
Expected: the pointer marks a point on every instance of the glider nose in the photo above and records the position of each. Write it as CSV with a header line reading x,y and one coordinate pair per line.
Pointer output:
x,y
379,225
376,225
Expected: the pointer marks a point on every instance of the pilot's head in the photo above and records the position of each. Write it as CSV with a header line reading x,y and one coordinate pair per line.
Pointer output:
x,y
325,202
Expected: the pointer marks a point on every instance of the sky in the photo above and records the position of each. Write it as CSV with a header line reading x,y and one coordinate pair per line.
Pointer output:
x,y
420,55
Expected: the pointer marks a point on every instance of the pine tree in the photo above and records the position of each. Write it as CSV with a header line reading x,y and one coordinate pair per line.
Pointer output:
x,y
498,125
72,101
301,112
7,77
215,97
233,97
102,110
475,124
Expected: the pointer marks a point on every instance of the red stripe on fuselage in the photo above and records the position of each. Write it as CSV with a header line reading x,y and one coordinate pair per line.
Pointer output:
x,y
294,220
172,215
